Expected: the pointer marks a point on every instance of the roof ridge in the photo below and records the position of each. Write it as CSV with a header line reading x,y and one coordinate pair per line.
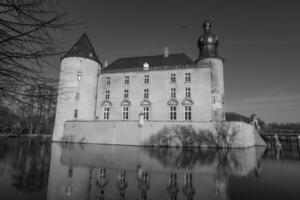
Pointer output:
x,y
150,56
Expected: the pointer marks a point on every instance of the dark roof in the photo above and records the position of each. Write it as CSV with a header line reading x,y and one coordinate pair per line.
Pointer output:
x,y
82,48
158,60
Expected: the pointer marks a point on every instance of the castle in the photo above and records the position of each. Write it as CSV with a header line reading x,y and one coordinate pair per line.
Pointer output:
x,y
132,99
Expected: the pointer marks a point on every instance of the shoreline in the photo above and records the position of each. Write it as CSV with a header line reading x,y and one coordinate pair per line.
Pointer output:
x,y
10,135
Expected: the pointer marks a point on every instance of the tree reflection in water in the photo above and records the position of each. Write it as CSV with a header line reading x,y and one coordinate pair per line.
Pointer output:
x,y
29,161
225,162
181,157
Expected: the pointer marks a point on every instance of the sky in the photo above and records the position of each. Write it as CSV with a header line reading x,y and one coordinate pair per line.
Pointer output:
x,y
259,40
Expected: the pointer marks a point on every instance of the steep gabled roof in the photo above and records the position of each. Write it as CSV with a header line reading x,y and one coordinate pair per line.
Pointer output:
x,y
157,60
83,48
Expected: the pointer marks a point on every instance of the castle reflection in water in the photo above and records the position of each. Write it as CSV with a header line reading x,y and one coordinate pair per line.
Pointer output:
x,y
124,172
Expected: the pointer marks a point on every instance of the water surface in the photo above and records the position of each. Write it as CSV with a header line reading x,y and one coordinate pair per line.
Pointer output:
x,y
38,169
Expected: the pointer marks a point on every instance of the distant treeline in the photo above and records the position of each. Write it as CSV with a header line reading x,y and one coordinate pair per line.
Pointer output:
x,y
231,116
33,115
285,126
19,124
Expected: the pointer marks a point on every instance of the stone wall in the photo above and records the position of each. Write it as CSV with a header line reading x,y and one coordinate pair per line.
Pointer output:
x,y
161,133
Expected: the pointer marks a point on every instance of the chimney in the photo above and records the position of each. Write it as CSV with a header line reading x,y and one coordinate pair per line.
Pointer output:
x,y
166,52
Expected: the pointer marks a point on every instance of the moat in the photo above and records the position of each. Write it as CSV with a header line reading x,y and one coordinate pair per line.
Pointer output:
x,y
39,169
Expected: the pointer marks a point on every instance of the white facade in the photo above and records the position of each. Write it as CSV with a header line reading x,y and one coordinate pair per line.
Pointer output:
x,y
152,89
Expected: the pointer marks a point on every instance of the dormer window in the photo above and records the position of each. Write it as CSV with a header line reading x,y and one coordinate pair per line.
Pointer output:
x,y
146,66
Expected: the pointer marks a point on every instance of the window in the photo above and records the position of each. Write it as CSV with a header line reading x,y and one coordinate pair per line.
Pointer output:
x,y
126,81
107,80
173,78
173,113
188,92
125,113
106,113
188,77
146,113
79,75
75,113
173,93
77,96
146,93
107,94
187,113
213,100
126,94
146,79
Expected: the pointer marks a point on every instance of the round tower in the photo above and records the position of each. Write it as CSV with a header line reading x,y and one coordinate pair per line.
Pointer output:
x,y
208,46
77,86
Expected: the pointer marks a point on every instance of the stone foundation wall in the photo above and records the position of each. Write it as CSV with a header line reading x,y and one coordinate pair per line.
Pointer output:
x,y
161,133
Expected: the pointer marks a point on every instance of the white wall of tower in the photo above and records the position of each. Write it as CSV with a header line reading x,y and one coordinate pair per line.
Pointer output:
x,y
217,87
77,91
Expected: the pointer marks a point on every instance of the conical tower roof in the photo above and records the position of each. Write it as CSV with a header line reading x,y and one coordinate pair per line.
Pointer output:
x,y
83,48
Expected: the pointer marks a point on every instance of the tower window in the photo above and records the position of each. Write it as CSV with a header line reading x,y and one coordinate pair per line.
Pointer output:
x,y
173,113
126,94
146,93
213,100
188,77
146,111
79,76
77,96
75,113
125,113
188,92
106,113
173,93
173,78
107,94
146,79
107,80
187,113
126,81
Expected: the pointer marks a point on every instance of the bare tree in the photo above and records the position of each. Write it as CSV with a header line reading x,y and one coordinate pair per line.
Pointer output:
x,y
29,41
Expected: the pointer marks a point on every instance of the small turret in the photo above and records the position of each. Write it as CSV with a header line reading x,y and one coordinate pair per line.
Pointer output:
x,y
208,43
